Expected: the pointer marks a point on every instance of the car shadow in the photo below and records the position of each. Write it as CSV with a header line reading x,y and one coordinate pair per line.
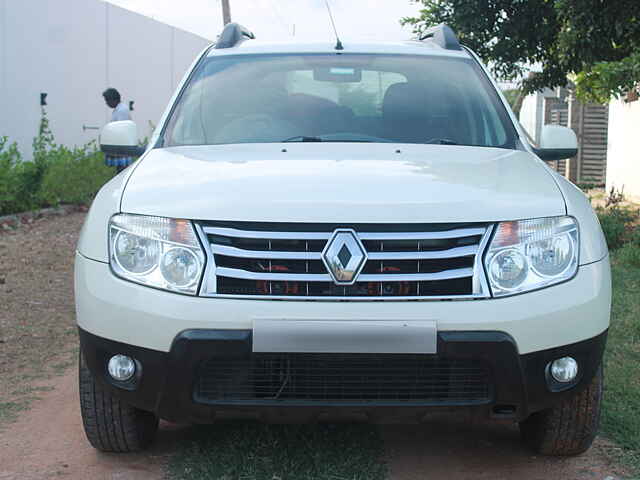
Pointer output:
x,y
463,448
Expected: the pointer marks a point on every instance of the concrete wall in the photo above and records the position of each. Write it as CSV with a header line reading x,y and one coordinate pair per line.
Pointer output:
x,y
531,115
73,50
623,154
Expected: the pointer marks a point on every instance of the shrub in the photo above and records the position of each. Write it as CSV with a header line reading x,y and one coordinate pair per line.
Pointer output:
x,y
629,255
73,176
9,158
634,238
589,184
56,175
614,224
615,197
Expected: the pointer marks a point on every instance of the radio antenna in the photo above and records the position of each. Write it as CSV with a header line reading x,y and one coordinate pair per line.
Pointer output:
x,y
335,30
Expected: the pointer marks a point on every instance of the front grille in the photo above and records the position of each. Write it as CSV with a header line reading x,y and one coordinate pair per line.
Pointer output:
x,y
403,261
305,378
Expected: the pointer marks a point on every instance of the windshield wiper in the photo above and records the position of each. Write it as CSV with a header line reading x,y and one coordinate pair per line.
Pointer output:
x,y
302,138
336,138
442,141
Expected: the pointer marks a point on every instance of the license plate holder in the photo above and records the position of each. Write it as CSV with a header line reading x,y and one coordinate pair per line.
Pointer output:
x,y
345,336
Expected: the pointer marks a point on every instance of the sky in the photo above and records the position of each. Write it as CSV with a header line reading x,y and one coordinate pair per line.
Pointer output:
x,y
279,19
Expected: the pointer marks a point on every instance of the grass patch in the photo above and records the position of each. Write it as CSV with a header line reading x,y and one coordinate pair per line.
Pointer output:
x,y
254,451
27,394
30,389
620,417
9,411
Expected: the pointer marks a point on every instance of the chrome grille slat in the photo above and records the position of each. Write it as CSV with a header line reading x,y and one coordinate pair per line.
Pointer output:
x,y
424,255
437,235
285,261
417,277
232,232
387,255
325,277
242,253
283,277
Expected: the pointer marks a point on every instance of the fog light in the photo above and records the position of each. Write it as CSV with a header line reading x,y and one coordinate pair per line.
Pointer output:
x,y
564,369
121,367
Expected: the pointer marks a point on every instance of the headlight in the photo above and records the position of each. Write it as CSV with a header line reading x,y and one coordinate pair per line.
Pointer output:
x,y
531,254
156,251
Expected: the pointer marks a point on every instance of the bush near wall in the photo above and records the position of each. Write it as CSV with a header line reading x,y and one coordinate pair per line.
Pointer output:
x,y
56,175
73,176
617,225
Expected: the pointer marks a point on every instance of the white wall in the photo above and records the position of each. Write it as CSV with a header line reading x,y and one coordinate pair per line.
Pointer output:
x,y
73,50
623,154
531,114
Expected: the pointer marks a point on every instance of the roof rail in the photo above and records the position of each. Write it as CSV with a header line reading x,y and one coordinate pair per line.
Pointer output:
x,y
232,34
443,36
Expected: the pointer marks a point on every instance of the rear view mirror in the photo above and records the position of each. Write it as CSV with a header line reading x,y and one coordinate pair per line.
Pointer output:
x,y
557,143
337,74
120,139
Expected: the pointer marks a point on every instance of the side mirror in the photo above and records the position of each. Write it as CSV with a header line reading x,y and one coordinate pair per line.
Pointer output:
x,y
557,143
120,139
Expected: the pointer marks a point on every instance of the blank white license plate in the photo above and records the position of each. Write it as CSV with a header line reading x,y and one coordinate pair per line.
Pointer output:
x,y
344,336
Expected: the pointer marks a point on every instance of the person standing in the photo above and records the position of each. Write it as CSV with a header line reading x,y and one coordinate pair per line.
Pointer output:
x,y
113,100
120,112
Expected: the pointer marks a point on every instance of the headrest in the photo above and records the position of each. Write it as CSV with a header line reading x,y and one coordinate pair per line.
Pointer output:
x,y
405,100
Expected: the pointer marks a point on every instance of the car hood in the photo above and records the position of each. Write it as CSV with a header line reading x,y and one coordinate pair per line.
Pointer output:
x,y
342,183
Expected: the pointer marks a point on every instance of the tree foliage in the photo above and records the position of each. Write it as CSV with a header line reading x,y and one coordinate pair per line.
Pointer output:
x,y
596,42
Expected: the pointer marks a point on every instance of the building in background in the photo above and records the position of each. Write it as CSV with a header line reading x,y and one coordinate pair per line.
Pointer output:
x,y
623,153
72,50
589,122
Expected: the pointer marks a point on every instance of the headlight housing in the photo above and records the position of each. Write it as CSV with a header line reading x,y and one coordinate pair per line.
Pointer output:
x,y
156,251
530,254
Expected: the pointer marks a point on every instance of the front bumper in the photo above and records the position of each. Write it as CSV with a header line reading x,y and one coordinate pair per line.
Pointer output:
x,y
173,335
167,381
125,312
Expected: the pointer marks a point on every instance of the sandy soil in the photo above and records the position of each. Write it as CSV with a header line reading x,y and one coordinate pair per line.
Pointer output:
x,y
48,442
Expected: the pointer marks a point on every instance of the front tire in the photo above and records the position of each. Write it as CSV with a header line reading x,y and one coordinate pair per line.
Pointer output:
x,y
570,427
110,424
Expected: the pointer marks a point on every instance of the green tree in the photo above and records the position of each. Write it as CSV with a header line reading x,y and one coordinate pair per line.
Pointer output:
x,y
594,42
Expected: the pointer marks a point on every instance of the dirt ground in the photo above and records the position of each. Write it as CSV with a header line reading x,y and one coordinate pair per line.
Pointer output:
x,y
37,330
37,338
48,442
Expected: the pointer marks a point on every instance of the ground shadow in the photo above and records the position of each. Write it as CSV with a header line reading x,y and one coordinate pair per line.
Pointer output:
x,y
461,448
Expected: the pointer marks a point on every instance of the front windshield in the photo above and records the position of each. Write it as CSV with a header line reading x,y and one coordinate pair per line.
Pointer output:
x,y
339,98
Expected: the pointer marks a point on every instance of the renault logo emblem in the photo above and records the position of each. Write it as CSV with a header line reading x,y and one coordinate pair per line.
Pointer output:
x,y
344,256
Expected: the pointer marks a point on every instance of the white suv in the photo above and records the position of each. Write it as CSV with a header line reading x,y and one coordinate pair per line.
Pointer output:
x,y
317,228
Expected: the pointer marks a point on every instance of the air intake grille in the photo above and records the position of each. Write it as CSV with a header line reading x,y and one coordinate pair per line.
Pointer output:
x,y
403,261
342,378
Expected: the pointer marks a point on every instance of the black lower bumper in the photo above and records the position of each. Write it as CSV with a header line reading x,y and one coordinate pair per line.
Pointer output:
x,y
481,371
